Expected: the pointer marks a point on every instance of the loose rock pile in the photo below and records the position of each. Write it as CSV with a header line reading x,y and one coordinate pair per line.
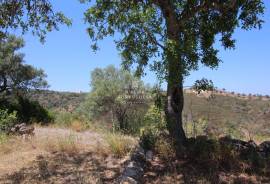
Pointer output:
x,y
134,168
242,146
22,130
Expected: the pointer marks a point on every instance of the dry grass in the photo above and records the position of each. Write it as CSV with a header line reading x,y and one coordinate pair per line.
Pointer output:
x,y
16,153
165,149
68,144
119,145
78,126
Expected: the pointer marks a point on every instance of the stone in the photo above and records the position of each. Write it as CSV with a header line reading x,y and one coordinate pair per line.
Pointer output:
x,y
109,174
265,148
149,155
128,180
252,144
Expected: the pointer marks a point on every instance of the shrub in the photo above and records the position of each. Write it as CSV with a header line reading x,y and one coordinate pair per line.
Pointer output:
x,y
3,138
154,117
119,144
7,120
67,144
149,137
32,112
63,119
27,111
154,125
165,148
211,154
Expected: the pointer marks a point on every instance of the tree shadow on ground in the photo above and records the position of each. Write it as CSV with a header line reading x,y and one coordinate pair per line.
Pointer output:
x,y
79,168
211,161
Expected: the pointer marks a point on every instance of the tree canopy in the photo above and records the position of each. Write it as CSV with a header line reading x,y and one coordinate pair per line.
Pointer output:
x,y
143,25
115,92
14,73
173,36
36,16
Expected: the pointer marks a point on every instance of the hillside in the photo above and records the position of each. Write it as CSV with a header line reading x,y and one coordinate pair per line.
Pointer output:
x,y
240,115
57,100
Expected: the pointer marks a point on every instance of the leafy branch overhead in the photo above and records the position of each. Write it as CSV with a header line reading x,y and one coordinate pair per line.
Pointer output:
x,y
36,16
142,25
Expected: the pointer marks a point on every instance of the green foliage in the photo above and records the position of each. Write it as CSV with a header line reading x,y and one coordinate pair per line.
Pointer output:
x,y
115,95
154,117
36,16
173,37
63,119
3,138
154,125
203,85
233,131
27,111
7,120
16,78
149,137
197,127
32,112
15,75
147,29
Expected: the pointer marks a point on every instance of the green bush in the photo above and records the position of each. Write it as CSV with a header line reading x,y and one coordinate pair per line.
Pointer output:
x,y
32,112
7,120
64,119
27,111
153,127
3,138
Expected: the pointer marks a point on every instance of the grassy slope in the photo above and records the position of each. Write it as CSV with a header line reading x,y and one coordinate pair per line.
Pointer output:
x,y
226,111
223,113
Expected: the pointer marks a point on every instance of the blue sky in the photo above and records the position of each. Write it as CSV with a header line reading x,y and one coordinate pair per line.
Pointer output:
x,y
67,58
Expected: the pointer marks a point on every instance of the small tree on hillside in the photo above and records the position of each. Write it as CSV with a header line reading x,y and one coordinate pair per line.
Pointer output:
x,y
178,34
114,91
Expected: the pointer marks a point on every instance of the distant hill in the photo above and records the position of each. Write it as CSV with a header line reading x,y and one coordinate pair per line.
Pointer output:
x,y
240,115
57,100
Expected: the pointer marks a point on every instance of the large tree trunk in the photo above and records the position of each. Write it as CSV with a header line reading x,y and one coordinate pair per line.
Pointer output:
x,y
175,103
175,97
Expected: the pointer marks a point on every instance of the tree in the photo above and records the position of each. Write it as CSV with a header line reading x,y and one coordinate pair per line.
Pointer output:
x,y
114,92
35,15
15,75
174,36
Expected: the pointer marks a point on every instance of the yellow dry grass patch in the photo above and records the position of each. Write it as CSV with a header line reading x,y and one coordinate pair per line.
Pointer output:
x,y
16,153
119,145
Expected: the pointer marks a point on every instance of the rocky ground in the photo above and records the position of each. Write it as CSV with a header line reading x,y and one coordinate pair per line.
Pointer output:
x,y
226,161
